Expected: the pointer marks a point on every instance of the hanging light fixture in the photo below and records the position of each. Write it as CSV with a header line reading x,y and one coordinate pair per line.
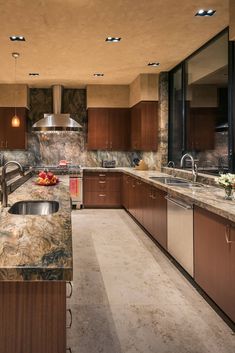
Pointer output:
x,y
15,121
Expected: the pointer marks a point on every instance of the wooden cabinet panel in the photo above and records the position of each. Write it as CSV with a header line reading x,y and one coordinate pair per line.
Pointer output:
x,y
12,137
98,129
201,128
109,129
33,317
119,129
144,126
125,191
214,247
159,225
102,189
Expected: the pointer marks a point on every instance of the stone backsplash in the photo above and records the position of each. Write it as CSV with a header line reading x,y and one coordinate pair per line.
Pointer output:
x,y
50,148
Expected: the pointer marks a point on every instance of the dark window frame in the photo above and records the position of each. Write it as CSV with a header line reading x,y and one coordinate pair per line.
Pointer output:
x,y
231,98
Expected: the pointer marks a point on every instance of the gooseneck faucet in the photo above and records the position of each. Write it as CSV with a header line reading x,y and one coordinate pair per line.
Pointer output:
x,y
194,166
4,182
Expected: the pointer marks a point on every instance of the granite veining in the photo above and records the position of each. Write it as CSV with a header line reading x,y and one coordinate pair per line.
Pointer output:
x,y
208,197
37,247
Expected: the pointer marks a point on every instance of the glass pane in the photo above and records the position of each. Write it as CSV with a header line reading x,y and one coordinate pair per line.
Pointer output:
x,y
176,117
207,106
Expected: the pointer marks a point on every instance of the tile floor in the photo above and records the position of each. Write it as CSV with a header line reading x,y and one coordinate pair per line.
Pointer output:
x,y
129,298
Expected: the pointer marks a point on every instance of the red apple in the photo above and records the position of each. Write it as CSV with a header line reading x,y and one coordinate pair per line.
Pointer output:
x,y
42,175
50,175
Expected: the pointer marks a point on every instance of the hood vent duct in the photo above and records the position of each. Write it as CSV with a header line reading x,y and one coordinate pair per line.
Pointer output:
x,y
56,121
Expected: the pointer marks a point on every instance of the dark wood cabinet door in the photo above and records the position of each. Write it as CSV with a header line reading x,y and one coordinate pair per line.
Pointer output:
x,y
159,227
98,129
119,129
214,254
125,191
149,126
12,137
136,127
147,207
144,126
201,128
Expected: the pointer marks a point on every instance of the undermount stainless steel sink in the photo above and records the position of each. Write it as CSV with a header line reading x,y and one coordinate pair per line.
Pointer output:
x,y
34,207
176,181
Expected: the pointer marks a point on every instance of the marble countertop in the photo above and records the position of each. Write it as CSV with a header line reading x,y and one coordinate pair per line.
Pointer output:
x,y
37,247
208,197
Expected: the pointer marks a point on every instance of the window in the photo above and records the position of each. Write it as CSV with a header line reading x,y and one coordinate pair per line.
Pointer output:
x,y
199,107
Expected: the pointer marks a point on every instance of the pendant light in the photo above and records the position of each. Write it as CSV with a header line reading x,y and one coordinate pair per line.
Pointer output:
x,y
15,121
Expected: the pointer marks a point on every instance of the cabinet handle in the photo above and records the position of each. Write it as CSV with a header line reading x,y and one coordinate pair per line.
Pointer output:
x,y
151,196
227,234
102,175
133,185
102,182
102,195
139,182
71,290
6,144
71,318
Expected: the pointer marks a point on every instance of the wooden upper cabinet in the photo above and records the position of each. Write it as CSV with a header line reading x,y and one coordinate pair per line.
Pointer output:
x,y
108,129
144,126
98,129
12,137
201,128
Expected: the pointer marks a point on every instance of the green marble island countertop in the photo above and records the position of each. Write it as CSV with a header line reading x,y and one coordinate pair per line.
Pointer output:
x,y
37,248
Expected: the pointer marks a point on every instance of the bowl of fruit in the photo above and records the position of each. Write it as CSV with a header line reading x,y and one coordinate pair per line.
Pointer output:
x,y
46,178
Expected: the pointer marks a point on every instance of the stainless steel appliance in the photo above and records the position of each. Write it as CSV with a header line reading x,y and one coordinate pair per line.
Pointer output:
x,y
180,232
108,164
75,173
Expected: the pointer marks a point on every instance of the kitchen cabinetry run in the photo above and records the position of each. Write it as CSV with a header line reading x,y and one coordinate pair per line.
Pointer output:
x,y
12,137
102,189
214,254
144,126
108,129
147,205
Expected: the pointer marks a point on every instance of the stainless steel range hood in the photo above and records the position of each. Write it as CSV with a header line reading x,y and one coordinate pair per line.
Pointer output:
x,y
56,121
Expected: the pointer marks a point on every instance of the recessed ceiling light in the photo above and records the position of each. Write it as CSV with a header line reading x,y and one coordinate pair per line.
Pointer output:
x,y
154,64
204,13
33,74
98,74
113,39
17,38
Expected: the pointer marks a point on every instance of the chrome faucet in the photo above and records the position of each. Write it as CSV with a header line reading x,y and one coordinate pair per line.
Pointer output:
x,y
4,182
194,166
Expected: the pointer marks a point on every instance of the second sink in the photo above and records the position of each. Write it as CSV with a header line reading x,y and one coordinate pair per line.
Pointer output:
x,y
34,207
176,181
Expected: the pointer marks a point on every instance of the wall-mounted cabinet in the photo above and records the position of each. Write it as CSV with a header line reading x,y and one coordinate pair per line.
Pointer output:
x,y
12,137
108,129
144,126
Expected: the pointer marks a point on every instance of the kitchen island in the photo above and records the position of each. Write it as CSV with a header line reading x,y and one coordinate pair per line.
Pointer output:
x,y
35,263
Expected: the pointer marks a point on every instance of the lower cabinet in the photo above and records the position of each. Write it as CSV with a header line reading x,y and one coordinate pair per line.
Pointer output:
x,y
33,317
214,247
148,205
102,189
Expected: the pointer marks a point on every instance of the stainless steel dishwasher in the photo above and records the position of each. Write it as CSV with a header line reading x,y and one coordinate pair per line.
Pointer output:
x,y
180,232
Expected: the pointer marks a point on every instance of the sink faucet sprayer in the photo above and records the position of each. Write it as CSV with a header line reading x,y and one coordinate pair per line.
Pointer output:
x,y
4,182
194,166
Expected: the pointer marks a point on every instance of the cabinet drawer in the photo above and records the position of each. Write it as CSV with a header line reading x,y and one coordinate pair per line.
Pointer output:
x,y
102,199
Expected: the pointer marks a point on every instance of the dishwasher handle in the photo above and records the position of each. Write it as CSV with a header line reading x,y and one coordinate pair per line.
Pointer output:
x,y
179,203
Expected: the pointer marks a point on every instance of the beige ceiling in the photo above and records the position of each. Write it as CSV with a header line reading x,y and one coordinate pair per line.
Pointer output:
x,y
65,39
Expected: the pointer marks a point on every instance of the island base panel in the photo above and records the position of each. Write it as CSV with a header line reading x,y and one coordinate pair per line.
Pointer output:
x,y
33,317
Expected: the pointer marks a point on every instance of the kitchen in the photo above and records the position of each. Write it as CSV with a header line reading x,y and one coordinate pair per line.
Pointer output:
x,y
130,246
